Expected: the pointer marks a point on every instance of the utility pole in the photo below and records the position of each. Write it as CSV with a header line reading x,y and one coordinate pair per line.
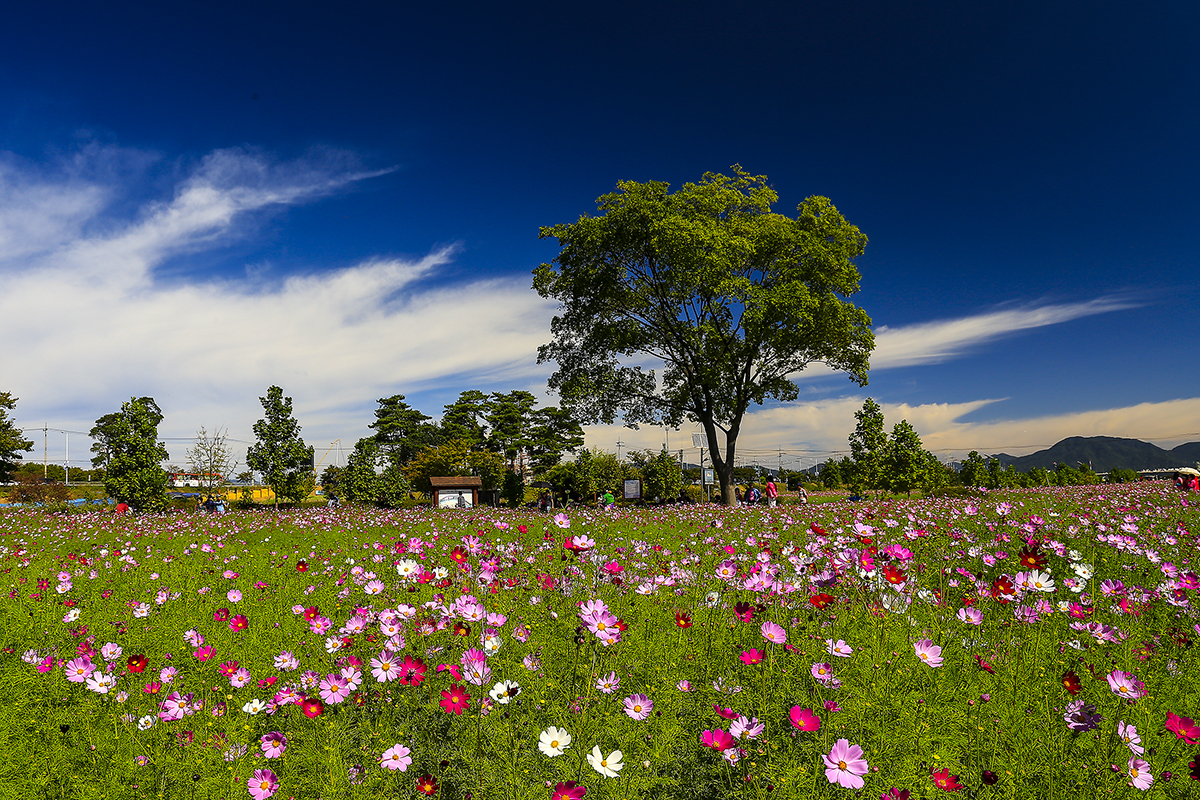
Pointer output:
x,y
67,459
620,444
45,460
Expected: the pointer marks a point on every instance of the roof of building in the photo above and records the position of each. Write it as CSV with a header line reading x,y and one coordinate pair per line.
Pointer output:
x,y
468,482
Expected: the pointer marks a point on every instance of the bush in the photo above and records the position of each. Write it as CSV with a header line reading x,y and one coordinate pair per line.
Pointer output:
x,y
31,489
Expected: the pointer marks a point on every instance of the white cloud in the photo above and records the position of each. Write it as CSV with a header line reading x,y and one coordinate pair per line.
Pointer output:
x,y
821,430
87,323
940,340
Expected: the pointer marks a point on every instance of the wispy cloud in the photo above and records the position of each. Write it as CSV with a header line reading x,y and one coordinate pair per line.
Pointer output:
x,y
941,340
88,323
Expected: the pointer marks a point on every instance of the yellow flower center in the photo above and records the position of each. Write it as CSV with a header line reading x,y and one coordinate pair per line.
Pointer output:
x,y
841,765
554,744
637,709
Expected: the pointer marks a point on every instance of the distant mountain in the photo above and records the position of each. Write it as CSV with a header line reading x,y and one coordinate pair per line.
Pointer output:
x,y
1106,453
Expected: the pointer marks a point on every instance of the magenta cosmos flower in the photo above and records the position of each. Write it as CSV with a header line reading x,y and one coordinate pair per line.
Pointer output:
x,y
717,740
804,719
239,623
262,784
396,757
773,633
638,706
568,790
273,744
928,652
845,766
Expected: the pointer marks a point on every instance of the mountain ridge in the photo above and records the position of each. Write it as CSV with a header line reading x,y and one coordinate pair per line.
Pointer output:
x,y
1104,454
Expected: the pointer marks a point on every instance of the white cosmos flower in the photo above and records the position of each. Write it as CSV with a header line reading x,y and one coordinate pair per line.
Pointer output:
x,y
254,706
608,767
554,741
1039,581
408,569
504,691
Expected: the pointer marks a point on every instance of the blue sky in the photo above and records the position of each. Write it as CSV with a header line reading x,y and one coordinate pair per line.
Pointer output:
x,y
201,201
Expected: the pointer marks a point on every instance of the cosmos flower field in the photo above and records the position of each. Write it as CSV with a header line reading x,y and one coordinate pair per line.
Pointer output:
x,y
1009,645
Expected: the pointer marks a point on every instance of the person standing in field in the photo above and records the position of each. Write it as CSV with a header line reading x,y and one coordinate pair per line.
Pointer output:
x,y
772,493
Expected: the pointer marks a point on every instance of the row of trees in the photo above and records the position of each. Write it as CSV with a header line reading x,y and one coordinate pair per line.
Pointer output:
x,y
501,438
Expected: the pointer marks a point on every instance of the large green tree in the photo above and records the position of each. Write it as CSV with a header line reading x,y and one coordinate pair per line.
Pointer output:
x,y
279,454
134,455
731,298
904,462
12,443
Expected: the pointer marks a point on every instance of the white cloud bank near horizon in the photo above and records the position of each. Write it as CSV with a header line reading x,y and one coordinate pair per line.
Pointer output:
x,y
88,318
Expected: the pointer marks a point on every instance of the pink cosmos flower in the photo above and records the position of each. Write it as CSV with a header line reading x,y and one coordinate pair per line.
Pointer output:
x,y
78,669
804,719
1125,685
1139,773
569,790
273,744
204,653
773,632
718,740
262,784
239,623
928,652
608,683
334,689
385,667
824,675
970,616
638,706
1130,738
845,766
746,728
838,648
396,757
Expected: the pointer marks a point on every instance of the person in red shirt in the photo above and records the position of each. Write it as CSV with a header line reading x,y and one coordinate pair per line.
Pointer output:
x,y
772,493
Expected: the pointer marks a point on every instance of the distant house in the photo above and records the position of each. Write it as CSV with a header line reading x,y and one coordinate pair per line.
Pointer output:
x,y
456,492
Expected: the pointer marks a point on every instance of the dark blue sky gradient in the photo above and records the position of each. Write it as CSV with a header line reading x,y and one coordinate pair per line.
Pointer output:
x,y
993,153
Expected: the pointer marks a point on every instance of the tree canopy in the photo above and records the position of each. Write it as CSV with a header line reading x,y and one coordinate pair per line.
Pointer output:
x,y
731,298
134,455
279,454
12,443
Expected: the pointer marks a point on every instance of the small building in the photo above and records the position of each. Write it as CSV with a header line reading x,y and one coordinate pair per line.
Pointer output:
x,y
458,492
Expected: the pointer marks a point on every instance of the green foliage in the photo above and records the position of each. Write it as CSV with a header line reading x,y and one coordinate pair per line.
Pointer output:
x,y
1123,476
661,478
359,481
973,471
32,489
868,445
401,431
733,298
464,418
12,442
454,459
904,462
331,476
513,490
279,454
394,489
134,456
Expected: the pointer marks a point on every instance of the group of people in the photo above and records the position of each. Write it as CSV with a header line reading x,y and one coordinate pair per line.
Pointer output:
x,y
211,505
1187,483
769,495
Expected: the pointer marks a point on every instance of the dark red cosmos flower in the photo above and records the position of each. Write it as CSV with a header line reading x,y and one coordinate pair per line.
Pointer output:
x,y
462,629
989,778
221,615
744,611
1194,768
621,625
1003,589
894,574
1071,682
944,780
427,784
683,619
301,566
984,665
312,707
311,613
817,529
1031,557
821,600
412,671
137,663
459,555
